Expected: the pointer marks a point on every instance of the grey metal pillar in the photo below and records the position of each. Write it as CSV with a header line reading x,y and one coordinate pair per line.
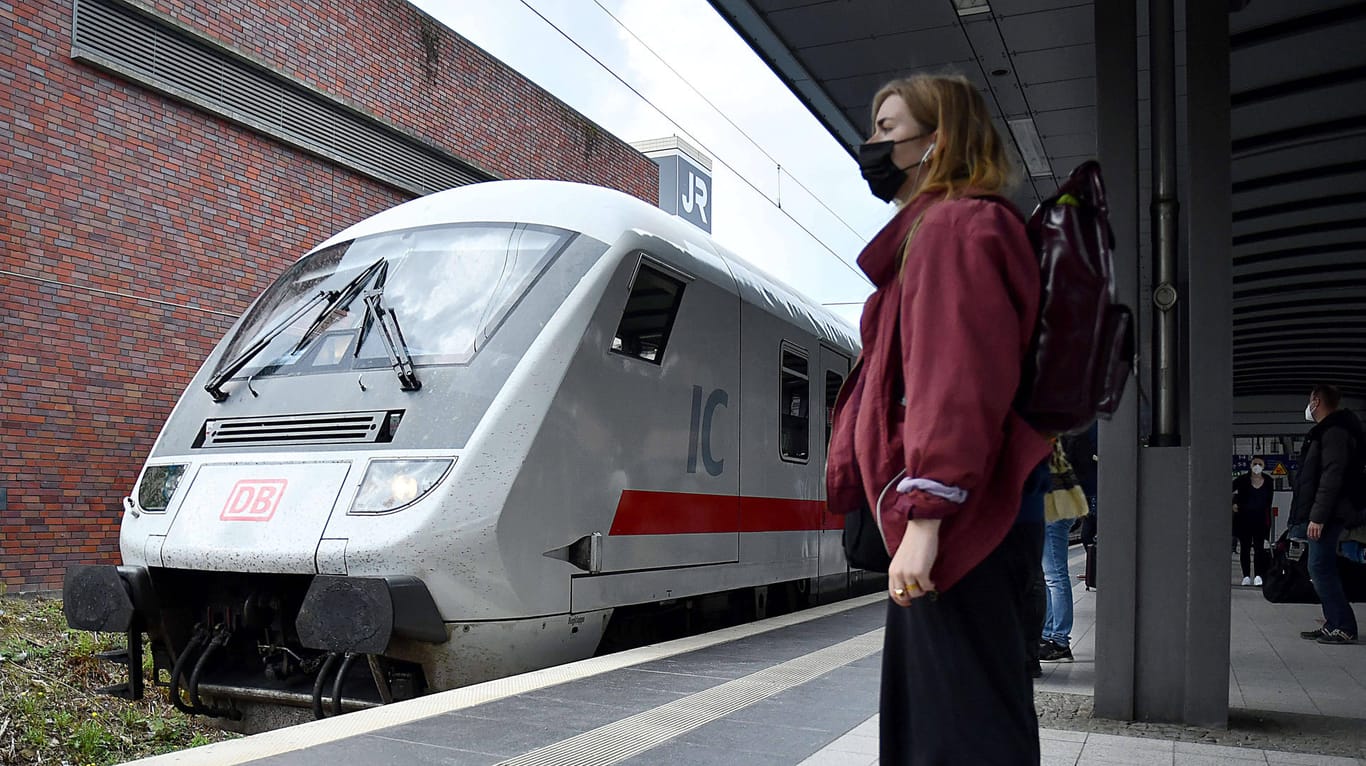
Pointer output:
x,y
1116,27
1210,235
1162,626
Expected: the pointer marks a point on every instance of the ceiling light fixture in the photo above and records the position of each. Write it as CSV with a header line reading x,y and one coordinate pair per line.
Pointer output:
x,y
971,7
1031,147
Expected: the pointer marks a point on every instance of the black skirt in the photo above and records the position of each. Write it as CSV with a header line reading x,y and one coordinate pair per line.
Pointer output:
x,y
955,680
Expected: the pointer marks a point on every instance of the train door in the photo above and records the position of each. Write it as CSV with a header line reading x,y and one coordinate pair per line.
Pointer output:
x,y
670,387
780,508
832,569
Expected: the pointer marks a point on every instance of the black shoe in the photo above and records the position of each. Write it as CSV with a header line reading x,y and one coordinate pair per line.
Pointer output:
x,y
1312,635
1054,652
1337,636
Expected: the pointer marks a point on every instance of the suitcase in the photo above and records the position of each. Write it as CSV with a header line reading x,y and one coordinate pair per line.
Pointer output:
x,y
1287,580
1090,576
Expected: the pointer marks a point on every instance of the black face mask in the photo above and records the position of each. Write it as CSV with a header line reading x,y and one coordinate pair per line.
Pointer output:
x,y
882,174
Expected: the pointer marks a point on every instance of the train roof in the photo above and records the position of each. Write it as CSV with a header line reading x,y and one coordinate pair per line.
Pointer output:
x,y
604,214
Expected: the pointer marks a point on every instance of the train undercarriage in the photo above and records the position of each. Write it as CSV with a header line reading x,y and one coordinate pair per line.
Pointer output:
x,y
260,651
224,642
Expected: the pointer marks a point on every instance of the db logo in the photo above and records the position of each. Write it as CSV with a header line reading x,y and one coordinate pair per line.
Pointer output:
x,y
253,500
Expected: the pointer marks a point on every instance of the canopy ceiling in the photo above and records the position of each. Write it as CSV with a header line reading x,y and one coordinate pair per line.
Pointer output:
x,y
1298,97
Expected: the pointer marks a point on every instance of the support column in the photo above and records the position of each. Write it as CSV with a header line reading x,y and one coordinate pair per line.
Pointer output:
x,y
1161,651
1117,500
1210,236
1162,614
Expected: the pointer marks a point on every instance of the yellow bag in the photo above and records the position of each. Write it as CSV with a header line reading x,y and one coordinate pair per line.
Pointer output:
x,y
1065,500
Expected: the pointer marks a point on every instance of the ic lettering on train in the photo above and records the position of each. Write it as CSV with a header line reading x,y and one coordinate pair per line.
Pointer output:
x,y
253,500
697,195
699,436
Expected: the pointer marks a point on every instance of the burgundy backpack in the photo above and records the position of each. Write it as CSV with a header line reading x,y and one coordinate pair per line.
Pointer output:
x,y
1083,347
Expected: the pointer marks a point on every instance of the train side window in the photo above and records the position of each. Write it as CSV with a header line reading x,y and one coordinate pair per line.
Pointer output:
x,y
794,385
649,316
833,381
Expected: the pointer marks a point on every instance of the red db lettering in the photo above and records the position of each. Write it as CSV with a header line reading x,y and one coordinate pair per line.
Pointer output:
x,y
253,500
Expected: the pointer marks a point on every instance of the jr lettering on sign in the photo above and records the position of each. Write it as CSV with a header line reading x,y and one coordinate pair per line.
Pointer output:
x,y
696,197
685,190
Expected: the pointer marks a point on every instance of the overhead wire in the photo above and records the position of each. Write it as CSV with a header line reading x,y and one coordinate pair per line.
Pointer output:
x,y
851,267
728,120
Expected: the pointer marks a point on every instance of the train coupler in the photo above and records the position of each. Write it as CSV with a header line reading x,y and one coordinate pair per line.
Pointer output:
x,y
130,657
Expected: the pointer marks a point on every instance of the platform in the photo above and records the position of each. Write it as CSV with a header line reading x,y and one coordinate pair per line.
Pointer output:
x,y
796,689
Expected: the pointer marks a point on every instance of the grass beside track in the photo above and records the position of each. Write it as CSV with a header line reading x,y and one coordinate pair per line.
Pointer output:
x,y
49,711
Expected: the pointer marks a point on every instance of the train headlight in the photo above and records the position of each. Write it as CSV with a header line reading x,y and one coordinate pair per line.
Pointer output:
x,y
393,484
157,484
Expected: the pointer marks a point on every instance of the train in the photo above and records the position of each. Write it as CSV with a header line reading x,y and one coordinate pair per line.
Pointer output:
x,y
486,431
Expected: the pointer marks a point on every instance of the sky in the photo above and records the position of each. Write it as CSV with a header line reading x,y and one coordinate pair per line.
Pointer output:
x,y
787,197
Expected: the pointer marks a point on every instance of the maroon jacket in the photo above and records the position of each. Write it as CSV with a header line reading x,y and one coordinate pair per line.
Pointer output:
x,y
930,396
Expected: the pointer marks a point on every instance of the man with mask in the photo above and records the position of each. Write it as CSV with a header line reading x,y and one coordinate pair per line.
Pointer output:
x,y
1323,500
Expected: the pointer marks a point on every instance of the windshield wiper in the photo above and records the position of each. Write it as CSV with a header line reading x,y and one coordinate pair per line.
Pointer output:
x,y
336,299
214,386
341,299
389,332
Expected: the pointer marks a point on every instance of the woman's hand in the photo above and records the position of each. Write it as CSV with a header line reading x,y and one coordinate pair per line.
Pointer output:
x,y
909,575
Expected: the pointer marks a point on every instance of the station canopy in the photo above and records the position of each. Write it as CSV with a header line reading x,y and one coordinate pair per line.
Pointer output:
x,y
1298,99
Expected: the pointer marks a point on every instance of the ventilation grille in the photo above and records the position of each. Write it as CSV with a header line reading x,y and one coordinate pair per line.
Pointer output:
x,y
293,430
186,66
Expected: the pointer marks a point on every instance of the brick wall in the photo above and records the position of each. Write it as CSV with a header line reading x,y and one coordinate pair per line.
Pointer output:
x,y
136,228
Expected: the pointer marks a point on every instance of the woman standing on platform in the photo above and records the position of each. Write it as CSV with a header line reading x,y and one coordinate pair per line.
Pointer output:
x,y
1252,494
925,434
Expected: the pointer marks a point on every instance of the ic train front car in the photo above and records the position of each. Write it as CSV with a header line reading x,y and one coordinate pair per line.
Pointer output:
x,y
466,438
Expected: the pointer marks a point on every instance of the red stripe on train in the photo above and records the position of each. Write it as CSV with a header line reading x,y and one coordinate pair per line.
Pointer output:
x,y
678,513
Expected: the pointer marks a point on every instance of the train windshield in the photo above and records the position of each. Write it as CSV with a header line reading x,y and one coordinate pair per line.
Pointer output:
x,y
450,288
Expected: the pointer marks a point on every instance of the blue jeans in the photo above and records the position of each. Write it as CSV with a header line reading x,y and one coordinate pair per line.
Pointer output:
x,y
1057,623
1323,570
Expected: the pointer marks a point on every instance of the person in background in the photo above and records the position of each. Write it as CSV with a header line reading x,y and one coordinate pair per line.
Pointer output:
x,y
926,436
1055,643
1252,519
1084,456
1321,499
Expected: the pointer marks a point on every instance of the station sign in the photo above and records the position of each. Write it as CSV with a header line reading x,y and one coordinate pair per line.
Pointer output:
x,y
1277,466
685,190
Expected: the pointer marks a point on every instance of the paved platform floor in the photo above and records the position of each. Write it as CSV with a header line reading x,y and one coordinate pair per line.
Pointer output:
x,y
1072,748
1271,669
798,689
1274,669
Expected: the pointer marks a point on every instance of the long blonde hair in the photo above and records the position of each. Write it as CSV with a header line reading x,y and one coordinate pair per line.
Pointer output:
x,y
968,152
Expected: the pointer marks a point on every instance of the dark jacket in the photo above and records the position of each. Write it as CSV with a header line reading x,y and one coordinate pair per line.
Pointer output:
x,y
930,397
1326,468
1254,503
1081,453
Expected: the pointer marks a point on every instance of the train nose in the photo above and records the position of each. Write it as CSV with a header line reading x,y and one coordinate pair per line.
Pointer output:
x,y
265,517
